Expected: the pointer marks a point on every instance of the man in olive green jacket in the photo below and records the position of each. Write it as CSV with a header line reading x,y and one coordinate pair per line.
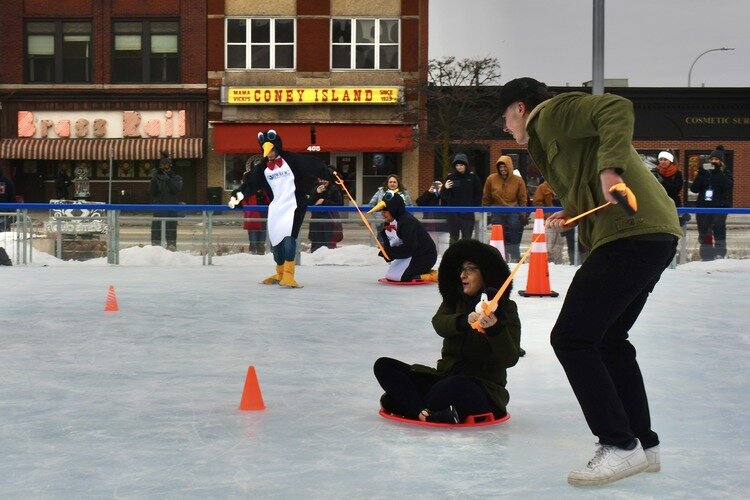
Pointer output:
x,y
582,146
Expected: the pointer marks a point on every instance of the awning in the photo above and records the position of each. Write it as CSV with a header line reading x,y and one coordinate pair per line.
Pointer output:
x,y
99,149
325,137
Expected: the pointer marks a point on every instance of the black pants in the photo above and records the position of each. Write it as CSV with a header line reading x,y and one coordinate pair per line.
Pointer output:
x,y
460,223
512,233
590,337
170,230
419,265
712,236
407,392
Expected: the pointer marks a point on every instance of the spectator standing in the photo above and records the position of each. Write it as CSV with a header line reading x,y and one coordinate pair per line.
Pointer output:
x,y
434,222
462,188
62,184
256,229
323,232
670,177
713,183
545,196
7,195
392,183
165,189
504,189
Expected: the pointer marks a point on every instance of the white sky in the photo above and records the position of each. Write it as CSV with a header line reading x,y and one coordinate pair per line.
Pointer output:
x,y
142,403
652,43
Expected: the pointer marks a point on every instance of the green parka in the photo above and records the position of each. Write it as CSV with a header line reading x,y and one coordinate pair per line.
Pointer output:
x,y
572,138
483,357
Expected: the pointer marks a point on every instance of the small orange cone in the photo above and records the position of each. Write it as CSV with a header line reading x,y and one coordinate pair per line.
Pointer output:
x,y
537,282
111,304
496,238
252,399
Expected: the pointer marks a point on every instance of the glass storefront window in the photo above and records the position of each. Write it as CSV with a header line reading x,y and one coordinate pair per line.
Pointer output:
x,y
377,167
234,169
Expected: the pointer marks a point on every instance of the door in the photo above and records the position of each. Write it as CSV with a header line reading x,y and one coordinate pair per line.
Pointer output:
x,y
349,167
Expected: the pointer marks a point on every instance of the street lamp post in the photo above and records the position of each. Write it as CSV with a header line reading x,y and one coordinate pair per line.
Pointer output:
x,y
690,73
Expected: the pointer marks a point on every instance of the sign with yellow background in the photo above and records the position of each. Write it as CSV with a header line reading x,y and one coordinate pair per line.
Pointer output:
x,y
311,95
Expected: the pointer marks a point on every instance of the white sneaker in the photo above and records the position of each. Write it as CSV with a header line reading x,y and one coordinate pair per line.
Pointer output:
x,y
610,464
652,455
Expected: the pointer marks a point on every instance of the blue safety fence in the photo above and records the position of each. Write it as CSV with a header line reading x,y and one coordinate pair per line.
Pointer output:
x,y
80,231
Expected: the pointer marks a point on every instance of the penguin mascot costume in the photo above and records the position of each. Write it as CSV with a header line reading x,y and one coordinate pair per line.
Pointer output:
x,y
283,179
410,248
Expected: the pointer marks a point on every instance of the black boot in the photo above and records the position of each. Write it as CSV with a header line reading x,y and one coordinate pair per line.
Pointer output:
x,y
446,416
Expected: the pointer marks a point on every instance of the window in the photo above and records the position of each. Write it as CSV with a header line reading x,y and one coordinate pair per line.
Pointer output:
x,y
365,44
58,52
260,43
377,168
146,52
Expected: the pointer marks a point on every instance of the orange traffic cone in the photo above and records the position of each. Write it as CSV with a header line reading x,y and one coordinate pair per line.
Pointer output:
x,y
252,399
111,304
496,238
537,282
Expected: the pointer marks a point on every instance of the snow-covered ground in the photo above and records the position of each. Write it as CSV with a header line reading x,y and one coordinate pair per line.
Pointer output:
x,y
144,402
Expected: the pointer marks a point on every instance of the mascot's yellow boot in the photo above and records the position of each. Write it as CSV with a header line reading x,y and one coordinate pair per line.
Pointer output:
x,y
431,276
273,279
287,279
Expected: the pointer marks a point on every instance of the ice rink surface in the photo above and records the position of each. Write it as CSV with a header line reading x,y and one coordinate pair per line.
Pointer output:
x,y
143,402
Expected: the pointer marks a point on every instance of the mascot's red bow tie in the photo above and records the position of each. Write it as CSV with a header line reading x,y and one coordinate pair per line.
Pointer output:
x,y
390,227
277,162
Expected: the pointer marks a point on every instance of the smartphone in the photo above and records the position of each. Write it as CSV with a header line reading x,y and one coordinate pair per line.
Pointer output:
x,y
436,185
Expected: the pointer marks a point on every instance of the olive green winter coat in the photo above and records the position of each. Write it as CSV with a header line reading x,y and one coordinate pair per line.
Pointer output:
x,y
573,137
483,357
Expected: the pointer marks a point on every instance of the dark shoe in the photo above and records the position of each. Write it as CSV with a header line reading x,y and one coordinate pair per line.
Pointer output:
x,y
388,404
521,353
446,416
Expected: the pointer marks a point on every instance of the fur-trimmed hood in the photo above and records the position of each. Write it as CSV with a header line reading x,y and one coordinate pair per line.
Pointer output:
x,y
491,263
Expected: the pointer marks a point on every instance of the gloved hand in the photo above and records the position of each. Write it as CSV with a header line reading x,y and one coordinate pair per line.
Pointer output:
x,y
380,254
236,199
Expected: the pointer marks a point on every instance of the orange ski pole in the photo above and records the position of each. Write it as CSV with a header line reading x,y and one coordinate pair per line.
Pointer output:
x,y
584,214
340,182
489,306
620,192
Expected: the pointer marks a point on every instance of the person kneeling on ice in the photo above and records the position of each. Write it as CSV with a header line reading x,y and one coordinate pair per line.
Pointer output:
x,y
410,249
282,179
470,377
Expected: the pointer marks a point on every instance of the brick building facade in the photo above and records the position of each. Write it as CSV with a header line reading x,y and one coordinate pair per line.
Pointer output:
x,y
86,84
690,122
332,77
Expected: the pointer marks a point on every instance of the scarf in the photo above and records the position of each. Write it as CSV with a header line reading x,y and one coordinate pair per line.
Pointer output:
x,y
668,171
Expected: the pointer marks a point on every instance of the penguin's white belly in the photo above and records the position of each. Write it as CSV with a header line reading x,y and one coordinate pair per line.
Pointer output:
x,y
284,203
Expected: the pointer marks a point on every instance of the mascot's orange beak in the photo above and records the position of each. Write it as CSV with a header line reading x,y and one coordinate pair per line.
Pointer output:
x,y
377,208
267,148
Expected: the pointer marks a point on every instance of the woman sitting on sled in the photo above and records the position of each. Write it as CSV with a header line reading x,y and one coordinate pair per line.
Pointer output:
x,y
470,377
